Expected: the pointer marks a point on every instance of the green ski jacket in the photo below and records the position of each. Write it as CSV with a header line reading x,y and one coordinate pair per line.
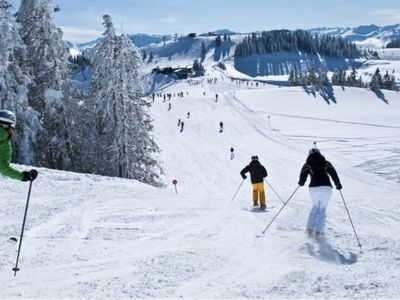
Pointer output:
x,y
5,156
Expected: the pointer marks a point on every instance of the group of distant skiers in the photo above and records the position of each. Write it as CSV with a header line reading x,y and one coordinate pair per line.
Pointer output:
x,y
316,166
320,187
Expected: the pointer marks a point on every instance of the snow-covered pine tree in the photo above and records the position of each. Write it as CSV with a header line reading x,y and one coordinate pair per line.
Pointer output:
x,y
292,79
322,78
312,77
47,63
13,87
375,83
352,78
122,144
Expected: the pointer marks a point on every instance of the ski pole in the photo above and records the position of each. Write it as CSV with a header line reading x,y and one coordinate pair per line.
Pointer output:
x,y
237,190
285,203
16,269
274,191
348,213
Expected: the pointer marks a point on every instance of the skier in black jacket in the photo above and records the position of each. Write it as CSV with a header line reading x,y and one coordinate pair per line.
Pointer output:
x,y
320,189
257,175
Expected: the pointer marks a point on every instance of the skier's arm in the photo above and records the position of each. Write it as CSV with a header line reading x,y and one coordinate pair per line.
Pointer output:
x,y
244,171
305,170
332,172
5,158
265,173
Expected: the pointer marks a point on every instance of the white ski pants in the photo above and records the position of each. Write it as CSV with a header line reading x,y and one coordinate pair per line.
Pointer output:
x,y
320,196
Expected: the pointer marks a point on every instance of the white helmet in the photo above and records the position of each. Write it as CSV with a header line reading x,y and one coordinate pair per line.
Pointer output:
x,y
7,118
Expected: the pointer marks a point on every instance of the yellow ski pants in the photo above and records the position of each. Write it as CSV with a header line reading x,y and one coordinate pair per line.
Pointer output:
x,y
259,193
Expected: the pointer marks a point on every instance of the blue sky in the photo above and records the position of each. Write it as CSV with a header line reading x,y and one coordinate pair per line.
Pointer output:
x,y
81,19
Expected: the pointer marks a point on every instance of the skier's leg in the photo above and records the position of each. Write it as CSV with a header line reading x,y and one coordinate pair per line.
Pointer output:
x,y
311,222
325,196
311,218
255,194
262,195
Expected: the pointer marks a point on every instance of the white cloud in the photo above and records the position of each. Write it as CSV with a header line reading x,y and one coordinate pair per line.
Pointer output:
x,y
75,34
387,15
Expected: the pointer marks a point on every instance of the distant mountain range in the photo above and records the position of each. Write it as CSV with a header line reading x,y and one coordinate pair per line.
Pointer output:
x,y
365,36
139,39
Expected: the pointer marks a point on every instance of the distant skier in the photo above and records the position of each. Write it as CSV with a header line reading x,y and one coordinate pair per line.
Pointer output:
x,y
320,189
216,97
182,126
257,175
221,127
188,115
7,131
169,106
179,122
232,153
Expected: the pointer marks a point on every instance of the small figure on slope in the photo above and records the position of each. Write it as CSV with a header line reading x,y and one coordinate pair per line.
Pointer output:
x,y
257,175
182,124
221,127
320,189
7,131
232,153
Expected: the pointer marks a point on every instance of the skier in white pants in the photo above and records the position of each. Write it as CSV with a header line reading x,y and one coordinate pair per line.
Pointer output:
x,y
320,189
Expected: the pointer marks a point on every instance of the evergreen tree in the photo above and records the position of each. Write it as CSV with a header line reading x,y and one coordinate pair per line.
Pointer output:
x,y
311,77
291,79
375,82
121,143
218,41
352,78
203,50
198,68
322,79
151,57
14,87
47,62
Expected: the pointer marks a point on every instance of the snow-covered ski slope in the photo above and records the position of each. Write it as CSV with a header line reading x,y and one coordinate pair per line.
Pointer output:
x,y
94,237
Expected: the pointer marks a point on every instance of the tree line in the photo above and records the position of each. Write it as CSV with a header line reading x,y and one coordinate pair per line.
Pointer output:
x,y
340,77
294,41
104,129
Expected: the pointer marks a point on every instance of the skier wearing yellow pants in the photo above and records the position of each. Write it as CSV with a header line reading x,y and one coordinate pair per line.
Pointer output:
x,y
257,175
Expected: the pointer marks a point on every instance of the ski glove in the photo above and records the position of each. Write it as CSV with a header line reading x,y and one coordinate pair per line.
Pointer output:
x,y
244,177
29,176
339,186
301,183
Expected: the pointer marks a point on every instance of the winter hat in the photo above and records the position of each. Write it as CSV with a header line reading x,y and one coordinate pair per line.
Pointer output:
x,y
254,157
313,150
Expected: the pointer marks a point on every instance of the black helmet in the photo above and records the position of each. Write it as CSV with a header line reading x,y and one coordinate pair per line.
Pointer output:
x,y
254,157
314,150
7,118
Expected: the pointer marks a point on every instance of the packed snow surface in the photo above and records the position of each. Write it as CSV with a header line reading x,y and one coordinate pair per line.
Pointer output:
x,y
96,237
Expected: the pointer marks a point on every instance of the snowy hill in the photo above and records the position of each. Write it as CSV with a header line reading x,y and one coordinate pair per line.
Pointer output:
x,y
96,237
366,36
139,39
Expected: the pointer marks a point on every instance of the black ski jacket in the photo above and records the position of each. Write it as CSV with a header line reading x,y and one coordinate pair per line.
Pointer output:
x,y
318,168
257,172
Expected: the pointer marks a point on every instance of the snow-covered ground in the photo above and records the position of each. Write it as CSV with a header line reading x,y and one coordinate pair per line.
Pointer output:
x,y
94,237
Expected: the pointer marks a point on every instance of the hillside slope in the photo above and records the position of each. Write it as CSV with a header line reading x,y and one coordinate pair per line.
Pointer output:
x,y
95,237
